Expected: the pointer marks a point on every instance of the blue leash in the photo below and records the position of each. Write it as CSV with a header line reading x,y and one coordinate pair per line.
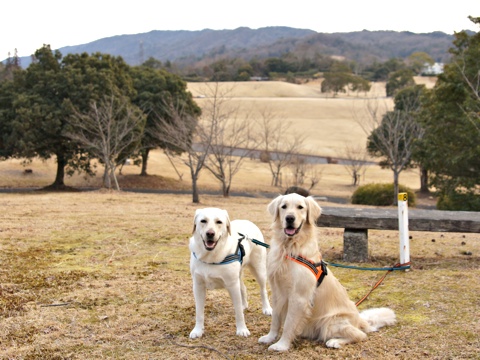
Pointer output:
x,y
255,241
392,268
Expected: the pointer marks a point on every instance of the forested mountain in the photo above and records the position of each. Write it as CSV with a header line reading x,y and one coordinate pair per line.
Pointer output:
x,y
194,48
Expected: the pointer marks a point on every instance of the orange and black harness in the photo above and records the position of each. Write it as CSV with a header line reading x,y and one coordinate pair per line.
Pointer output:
x,y
319,270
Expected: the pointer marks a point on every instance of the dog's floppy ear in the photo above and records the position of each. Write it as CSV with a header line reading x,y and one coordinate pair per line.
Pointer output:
x,y
314,210
273,207
227,220
197,212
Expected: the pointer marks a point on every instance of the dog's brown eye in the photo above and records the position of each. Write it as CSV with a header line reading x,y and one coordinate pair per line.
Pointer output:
x,y
203,221
300,207
284,206
219,222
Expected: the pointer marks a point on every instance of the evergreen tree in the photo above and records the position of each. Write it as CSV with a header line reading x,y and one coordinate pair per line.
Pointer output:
x,y
46,94
399,80
450,117
156,92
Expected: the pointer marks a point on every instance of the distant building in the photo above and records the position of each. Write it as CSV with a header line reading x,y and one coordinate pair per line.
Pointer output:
x,y
434,69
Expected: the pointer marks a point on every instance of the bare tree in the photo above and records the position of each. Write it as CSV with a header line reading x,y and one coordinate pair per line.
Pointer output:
x,y
180,131
170,156
303,172
392,137
281,144
355,161
108,131
232,139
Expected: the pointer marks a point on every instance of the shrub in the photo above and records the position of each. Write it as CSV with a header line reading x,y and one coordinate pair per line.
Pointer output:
x,y
459,201
265,157
380,195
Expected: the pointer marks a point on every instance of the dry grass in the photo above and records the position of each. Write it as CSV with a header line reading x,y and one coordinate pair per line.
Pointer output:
x,y
254,177
330,122
96,274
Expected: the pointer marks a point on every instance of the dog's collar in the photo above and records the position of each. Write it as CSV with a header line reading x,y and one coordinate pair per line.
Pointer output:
x,y
319,270
237,256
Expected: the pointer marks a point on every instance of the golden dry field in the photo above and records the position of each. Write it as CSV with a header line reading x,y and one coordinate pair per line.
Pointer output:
x,y
105,275
329,121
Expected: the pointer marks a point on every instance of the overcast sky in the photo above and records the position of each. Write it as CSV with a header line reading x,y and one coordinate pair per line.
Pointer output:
x,y
27,25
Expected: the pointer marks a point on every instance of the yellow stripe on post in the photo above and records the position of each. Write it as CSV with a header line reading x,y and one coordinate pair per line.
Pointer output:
x,y
402,197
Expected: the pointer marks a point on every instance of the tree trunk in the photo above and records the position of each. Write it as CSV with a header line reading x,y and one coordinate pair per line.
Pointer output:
x,y
195,197
59,183
144,161
277,179
424,181
396,175
355,178
106,178
112,169
225,190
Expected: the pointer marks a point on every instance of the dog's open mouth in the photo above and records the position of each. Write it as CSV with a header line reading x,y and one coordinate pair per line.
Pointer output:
x,y
209,244
292,231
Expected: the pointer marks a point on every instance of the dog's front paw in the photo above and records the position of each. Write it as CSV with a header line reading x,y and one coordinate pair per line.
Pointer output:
x,y
267,339
334,343
196,333
279,346
243,332
267,311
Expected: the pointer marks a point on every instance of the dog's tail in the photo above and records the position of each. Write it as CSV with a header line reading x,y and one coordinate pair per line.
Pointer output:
x,y
378,317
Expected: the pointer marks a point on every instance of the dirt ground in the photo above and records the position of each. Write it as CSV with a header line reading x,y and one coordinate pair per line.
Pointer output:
x,y
92,275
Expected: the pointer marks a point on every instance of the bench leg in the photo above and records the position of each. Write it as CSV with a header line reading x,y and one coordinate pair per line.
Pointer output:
x,y
355,245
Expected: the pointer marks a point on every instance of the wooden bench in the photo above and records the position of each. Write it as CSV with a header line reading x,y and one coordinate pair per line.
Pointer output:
x,y
357,222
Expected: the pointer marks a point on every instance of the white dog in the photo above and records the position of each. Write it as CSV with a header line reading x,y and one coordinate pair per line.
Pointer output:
x,y
308,301
217,261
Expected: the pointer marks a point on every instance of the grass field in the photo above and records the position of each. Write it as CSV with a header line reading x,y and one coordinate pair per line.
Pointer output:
x,y
330,122
105,275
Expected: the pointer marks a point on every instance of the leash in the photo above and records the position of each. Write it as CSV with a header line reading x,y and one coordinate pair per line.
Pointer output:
x,y
396,267
255,241
393,268
389,269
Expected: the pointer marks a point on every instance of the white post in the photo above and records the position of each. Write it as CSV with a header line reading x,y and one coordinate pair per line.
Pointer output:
x,y
403,228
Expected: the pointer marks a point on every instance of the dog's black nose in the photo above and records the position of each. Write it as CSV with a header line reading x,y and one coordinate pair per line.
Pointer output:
x,y
290,219
210,234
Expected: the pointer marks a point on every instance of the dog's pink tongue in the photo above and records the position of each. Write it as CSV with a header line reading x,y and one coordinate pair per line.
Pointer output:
x,y
290,231
210,244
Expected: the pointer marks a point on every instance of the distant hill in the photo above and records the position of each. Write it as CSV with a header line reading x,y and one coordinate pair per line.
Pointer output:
x,y
190,48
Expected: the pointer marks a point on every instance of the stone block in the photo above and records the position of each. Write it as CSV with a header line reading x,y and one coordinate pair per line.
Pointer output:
x,y
355,245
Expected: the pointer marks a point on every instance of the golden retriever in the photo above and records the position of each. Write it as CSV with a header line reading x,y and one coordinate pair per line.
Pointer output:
x,y
308,301
217,261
